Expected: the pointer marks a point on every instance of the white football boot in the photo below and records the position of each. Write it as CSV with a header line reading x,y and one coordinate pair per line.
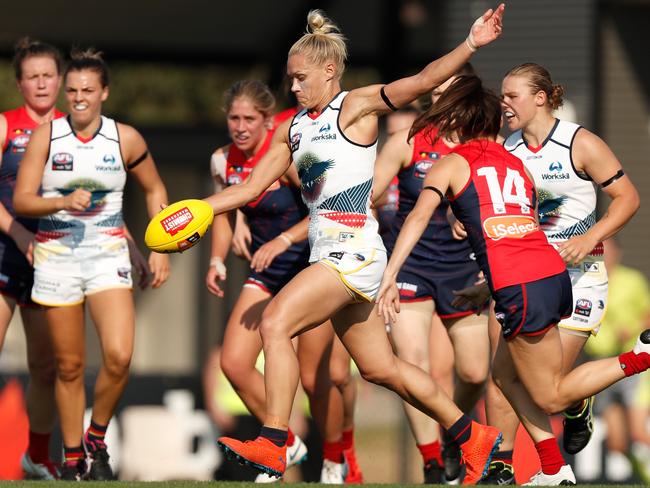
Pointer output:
x,y
563,477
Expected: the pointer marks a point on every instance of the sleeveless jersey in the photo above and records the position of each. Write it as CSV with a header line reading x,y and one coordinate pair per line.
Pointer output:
x,y
19,130
95,165
497,208
437,242
278,209
567,199
336,181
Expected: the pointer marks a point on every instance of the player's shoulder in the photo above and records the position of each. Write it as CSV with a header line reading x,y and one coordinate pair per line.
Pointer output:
x,y
514,141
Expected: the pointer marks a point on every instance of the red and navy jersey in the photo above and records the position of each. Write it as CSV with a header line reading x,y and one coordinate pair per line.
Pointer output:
x,y
437,242
284,115
279,208
497,208
19,129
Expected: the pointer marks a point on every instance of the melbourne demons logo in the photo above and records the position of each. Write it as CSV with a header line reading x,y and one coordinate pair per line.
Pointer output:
x,y
62,162
177,221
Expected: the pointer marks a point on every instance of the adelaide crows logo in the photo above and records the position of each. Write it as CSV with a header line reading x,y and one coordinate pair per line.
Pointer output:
x,y
312,172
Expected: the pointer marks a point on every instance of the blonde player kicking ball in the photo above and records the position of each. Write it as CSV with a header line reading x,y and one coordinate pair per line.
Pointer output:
x,y
333,144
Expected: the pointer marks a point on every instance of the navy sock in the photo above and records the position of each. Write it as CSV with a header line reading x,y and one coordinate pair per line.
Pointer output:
x,y
503,456
276,436
461,430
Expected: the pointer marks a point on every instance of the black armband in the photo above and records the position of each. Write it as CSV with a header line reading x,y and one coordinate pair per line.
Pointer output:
x,y
386,100
619,174
138,161
435,190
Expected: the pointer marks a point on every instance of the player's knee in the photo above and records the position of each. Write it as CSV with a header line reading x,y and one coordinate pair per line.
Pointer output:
x,y
235,370
550,403
117,362
309,383
70,369
384,374
340,374
473,374
272,328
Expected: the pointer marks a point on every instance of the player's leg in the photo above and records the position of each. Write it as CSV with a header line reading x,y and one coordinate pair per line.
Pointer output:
x,y
411,338
325,399
298,307
589,298
578,418
67,332
113,313
7,307
500,414
362,332
41,406
554,469
441,360
241,347
469,336
340,372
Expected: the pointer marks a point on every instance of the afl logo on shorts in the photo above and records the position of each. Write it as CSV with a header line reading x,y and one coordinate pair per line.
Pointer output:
x,y
583,307
62,162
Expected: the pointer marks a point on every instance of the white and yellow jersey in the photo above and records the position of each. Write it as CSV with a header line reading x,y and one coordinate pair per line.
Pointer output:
x,y
336,181
95,165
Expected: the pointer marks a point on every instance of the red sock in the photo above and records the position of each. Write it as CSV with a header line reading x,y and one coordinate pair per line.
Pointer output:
x,y
39,447
430,452
632,363
333,451
550,456
291,438
348,439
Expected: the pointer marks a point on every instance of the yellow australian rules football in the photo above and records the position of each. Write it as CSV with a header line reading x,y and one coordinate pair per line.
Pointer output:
x,y
179,226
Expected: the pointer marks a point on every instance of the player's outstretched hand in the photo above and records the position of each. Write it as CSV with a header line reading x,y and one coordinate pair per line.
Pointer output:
x,y
265,255
486,28
575,249
388,300
475,296
159,266
140,265
215,275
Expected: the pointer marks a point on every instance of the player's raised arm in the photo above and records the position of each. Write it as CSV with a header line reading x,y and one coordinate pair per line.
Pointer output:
x,y
380,99
271,167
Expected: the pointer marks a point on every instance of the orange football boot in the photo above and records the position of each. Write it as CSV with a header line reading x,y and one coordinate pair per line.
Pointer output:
x,y
478,450
260,453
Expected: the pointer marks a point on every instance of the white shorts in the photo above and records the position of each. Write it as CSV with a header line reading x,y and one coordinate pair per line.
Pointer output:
x,y
64,276
590,283
360,271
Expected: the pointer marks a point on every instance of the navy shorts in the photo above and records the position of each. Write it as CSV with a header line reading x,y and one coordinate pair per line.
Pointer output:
x,y
436,282
532,308
16,274
273,278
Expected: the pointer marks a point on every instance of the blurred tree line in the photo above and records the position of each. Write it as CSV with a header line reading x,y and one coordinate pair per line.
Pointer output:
x,y
172,95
